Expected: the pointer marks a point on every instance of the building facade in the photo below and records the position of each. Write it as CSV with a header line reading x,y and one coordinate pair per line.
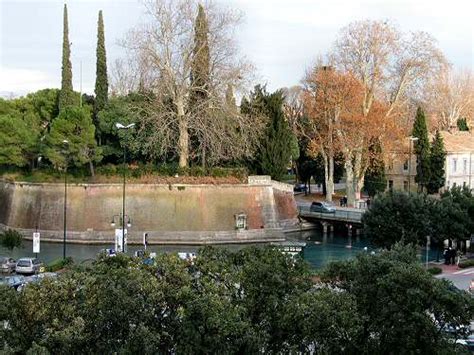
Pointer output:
x,y
401,170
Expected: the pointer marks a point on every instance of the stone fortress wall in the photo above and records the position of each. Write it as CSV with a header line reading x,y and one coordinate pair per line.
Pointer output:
x,y
170,214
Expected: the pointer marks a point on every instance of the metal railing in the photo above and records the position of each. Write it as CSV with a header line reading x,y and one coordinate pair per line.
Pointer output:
x,y
343,215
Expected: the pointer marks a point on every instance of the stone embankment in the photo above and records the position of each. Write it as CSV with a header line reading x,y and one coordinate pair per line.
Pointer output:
x,y
169,213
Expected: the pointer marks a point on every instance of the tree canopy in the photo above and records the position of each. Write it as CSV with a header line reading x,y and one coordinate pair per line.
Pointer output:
x,y
249,301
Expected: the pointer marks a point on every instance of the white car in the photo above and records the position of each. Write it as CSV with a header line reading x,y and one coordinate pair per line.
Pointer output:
x,y
28,266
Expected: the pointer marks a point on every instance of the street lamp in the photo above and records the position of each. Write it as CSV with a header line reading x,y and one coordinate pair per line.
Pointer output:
x,y
121,126
66,145
412,139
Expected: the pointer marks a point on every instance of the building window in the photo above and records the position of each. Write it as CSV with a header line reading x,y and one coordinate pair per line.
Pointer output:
x,y
390,184
455,165
465,166
390,165
405,165
405,186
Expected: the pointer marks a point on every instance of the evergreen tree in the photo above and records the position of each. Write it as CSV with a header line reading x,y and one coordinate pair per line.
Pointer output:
x,y
437,160
421,150
200,76
375,180
73,124
462,124
66,97
275,153
101,83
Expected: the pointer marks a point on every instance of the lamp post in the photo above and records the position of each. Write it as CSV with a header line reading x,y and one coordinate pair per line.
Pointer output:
x,y
121,126
412,139
66,145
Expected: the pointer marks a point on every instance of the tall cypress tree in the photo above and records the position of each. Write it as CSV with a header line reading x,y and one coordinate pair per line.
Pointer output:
x,y
200,75
101,82
275,153
66,96
421,150
437,160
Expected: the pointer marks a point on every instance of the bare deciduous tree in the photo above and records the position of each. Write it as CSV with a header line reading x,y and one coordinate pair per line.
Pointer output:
x,y
391,66
160,52
450,96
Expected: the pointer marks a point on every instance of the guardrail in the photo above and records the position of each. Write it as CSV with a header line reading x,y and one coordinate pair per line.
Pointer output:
x,y
342,215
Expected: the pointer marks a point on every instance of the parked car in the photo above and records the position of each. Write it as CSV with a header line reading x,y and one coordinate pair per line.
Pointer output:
x,y
299,187
322,207
16,281
28,266
7,264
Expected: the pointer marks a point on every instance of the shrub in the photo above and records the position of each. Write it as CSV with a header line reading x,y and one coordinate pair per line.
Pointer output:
x,y
59,264
107,170
435,270
466,263
11,239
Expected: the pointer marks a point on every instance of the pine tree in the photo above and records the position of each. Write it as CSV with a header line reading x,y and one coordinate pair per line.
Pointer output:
x,y
421,150
462,124
200,75
101,83
275,153
66,97
374,179
437,160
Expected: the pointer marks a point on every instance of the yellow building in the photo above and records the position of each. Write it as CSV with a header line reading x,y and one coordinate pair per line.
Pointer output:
x,y
459,146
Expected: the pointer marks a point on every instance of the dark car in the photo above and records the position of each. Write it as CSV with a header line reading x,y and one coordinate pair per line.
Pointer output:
x,y
322,207
299,187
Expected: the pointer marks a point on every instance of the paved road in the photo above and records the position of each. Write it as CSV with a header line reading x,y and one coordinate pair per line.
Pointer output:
x,y
460,278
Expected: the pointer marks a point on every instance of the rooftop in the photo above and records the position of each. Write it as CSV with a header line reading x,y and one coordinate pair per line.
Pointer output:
x,y
455,142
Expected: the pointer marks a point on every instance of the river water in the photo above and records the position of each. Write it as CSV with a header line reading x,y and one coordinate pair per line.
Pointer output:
x,y
319,249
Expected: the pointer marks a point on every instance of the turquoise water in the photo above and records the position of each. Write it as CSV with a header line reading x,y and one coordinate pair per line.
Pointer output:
x,y
318,252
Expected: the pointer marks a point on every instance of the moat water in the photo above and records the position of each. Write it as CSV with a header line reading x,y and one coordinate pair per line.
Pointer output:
x,y
319,251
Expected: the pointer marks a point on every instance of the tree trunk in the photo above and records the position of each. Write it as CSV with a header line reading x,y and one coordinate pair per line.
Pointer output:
x,y
350,182
330,179
358,175
183,143
91,168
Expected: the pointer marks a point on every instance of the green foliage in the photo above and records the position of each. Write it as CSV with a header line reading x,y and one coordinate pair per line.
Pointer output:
x,y
462,124
466,263
66,97
403,308
255,300
17,141
435,270
437,162
374,179
73,124
275,148
11,239
59,264
396,216
101,82
421,150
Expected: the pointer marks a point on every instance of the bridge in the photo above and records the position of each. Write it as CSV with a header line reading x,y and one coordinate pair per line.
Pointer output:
x,y
352,216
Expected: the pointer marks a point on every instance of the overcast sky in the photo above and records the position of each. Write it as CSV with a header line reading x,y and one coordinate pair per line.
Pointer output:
x,y
281,37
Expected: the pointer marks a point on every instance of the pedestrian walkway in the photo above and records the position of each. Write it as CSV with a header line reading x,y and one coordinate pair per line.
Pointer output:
x,y
469,271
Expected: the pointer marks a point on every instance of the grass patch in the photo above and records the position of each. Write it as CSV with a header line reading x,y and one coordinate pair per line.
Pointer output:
x,y
435,270
466,263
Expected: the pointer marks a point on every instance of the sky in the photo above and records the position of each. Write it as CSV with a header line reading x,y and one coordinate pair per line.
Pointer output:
x,y
282,38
